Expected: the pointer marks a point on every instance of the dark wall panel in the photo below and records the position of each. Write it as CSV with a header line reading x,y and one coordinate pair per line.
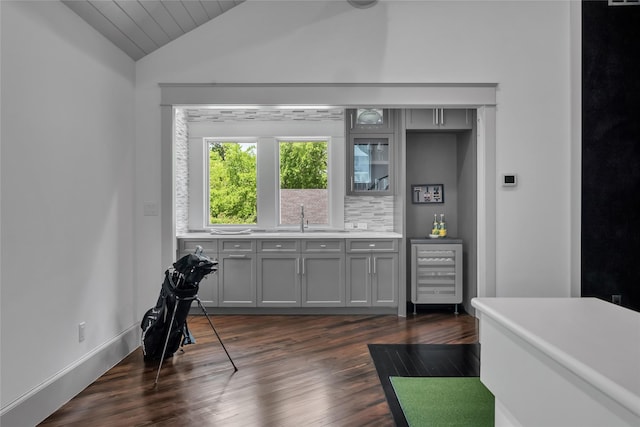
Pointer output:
x,y
611,152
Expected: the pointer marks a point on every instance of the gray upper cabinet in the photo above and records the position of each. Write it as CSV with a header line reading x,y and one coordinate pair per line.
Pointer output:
x,y
370,163
438,118
369,120
370,135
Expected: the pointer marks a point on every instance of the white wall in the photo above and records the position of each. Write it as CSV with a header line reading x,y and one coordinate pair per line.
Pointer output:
x,y
67,196
522,46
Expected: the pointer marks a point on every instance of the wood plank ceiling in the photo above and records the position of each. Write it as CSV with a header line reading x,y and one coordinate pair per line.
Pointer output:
x,y
142,26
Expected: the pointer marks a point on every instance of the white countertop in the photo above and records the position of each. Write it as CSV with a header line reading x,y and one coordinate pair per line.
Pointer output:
x,y
294,235
594,339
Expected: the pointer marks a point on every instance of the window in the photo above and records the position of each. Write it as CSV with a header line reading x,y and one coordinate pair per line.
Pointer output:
x,y
232,183
303,182
256,173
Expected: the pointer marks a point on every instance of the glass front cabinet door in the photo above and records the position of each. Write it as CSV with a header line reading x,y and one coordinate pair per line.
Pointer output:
x,y
370,164
376,120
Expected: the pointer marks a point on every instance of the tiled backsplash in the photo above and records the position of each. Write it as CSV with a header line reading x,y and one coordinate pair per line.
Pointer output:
x,y
182,171
375,211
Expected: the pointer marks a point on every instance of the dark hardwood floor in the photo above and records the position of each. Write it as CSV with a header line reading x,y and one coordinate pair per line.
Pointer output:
x,y
292,371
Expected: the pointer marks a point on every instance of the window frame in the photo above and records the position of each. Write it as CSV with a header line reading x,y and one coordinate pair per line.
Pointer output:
x,y
268,182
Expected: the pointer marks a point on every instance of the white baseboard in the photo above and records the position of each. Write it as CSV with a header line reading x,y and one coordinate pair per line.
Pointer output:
x,y
44,400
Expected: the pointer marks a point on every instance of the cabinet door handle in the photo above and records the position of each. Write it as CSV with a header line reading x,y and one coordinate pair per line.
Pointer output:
x,y
433,116
374,265
297,265
236,246
303,260
323,246
351,119
237,256
369,265
372,245
442,116
278,246
352,183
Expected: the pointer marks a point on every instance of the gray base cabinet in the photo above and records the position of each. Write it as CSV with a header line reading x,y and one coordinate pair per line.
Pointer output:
x,y
237,273
436,273
359,280
282,273
237,280
385,279
372,273
323,283
278,280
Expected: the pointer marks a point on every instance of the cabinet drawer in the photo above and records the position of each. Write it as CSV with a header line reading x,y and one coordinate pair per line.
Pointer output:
x,y
278,245
372,245
189,246
237,245
316,245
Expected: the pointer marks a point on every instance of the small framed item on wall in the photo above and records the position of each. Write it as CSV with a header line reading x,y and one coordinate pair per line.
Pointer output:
x,y
427,193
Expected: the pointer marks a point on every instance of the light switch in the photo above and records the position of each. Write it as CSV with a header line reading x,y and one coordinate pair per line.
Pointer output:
x,y
150,209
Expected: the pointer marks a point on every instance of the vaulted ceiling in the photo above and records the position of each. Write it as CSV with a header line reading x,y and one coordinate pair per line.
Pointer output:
x,y
142,26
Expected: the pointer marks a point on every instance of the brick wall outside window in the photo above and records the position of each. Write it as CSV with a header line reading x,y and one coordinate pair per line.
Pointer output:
x,y
316,209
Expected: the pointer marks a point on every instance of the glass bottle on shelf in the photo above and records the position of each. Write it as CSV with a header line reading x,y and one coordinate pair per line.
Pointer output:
x,y
435,229
443,226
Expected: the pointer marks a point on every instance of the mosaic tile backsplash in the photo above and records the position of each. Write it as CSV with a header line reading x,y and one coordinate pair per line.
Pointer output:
x,y
376,211
182,172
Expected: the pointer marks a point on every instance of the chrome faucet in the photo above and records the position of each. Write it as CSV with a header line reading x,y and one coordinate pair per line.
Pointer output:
x,y
302,218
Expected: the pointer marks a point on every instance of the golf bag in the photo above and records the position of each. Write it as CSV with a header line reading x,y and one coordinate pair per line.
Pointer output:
x,y
179,290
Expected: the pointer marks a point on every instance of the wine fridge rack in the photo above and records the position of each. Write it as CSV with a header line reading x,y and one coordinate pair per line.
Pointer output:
x,y
436,273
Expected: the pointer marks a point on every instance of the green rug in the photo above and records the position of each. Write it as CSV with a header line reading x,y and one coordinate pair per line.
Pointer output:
x,y
439,401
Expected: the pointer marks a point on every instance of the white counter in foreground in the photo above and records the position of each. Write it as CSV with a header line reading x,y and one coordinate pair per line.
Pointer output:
x,y
560,361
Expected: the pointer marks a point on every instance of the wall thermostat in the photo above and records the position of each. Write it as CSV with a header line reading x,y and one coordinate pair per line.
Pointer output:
x,y
509,180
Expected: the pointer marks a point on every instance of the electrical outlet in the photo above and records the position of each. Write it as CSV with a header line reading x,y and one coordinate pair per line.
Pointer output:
x,y
616,299
81,331
348,226
362,226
